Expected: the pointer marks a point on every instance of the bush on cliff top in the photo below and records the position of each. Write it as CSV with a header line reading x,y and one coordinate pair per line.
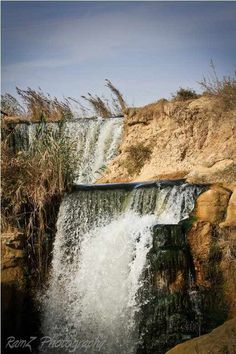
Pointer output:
x,y
185,94
224,89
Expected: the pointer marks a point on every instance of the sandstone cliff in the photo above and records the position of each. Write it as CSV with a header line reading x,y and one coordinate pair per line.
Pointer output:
x,y
192,139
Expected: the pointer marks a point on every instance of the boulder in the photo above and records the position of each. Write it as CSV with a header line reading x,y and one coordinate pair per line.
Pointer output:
x,y
212,205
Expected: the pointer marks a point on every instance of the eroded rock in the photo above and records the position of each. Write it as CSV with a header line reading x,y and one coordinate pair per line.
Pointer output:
x,y
230,220
212,205
199,239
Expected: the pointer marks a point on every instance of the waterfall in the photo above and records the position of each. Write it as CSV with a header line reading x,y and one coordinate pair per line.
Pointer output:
x,y
95,294
96,141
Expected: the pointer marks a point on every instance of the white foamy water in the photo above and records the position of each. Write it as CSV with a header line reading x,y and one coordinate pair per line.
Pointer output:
x,y
99,259
97,143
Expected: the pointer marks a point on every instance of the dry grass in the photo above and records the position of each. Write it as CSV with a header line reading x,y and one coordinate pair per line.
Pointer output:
x,y
42,106
119,103
104,107
99,105
223,89
185,94
33,183
36,106
10,106
137,156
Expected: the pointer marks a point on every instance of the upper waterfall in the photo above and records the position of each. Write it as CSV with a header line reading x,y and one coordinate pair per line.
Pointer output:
x,y
96,141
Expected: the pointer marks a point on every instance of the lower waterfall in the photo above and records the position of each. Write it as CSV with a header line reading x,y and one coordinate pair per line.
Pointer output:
x,y
101,265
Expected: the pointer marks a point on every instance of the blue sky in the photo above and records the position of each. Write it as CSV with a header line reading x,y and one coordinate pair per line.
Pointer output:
x,y
147,49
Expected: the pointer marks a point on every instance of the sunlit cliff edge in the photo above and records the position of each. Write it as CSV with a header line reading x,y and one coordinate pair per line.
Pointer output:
x,y
192,139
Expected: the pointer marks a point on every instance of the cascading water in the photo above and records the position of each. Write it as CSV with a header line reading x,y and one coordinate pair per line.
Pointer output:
x,y
96,141
96,289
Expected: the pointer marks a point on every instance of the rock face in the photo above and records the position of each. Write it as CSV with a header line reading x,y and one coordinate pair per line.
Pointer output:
x,y
212,205
193,139
13,259
220,340
212,244
212,241
199,240
13,281
194,277
231,212
18,314
171,293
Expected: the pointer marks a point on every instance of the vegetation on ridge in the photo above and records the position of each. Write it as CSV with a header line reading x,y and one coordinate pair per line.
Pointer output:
x,y
224,89
38,106
184,94
105,108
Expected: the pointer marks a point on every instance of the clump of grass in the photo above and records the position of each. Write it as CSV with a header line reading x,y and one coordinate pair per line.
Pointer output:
x,y
99,105
119,103
185,94
10,106
105,108
42,106
33,182
37,106
137,156
224,89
